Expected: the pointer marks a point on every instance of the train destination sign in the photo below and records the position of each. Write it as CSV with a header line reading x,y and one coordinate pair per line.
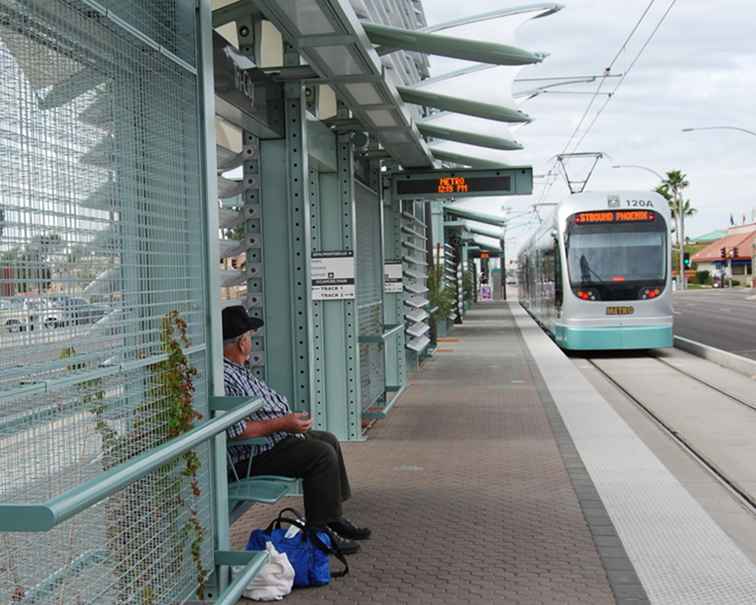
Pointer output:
x,y
615,216
462,182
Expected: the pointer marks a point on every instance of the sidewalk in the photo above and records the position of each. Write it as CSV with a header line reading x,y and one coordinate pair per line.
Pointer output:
x,y
465,489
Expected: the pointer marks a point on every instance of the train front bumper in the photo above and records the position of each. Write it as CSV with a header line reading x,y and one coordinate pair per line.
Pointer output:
x,y
614,337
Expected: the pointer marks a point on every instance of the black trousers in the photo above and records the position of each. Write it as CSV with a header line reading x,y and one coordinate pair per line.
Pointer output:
x,y
318,461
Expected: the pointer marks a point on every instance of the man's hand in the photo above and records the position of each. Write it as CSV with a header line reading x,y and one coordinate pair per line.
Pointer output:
x,y
298,422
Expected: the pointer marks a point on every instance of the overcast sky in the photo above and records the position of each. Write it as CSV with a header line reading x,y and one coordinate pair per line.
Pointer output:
x,y
699,70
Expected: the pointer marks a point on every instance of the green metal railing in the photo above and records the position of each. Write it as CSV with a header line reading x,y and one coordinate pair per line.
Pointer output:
x,y
40,517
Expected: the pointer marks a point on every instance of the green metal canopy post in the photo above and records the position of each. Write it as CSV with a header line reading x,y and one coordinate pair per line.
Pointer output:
x,y
286,253
336,388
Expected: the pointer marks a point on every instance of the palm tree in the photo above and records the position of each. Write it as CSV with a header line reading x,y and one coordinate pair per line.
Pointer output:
x,y
672,189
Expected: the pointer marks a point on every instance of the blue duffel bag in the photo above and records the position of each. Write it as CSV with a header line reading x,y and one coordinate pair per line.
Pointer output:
x,y
307,549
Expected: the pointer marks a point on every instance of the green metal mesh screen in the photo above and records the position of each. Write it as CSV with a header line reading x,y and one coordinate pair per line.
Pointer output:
x,y
369,293
100,215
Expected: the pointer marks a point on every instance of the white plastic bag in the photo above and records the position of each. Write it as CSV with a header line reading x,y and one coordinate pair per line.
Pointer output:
x,y
274,581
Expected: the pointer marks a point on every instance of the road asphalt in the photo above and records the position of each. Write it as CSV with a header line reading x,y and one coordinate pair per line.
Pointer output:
x,y
725,319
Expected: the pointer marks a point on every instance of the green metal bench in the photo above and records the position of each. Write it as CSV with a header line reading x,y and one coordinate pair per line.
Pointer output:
x,y
266,489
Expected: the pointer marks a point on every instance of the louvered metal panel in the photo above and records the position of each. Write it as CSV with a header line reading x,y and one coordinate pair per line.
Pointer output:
x,y
416,315
414,238
100,188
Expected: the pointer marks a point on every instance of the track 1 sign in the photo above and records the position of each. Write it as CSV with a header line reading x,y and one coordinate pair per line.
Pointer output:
x,y
462,182
332,275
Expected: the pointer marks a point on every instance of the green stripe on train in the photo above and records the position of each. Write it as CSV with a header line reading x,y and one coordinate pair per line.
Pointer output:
x,y
628,337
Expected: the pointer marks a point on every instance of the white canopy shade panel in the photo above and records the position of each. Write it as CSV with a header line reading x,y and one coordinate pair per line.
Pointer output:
x,y
463,136
489,243
459,210
472,125
493,86
482,229
498,27
459,48
536,11
494,156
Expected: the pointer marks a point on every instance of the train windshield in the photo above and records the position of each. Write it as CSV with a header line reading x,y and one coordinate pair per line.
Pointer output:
x,y
615,253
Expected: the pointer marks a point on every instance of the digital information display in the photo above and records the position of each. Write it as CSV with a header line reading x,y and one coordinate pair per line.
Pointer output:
x,y
461,183
455,184
615,216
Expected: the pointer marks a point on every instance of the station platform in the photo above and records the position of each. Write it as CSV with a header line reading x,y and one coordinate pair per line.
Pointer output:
x,y
503,476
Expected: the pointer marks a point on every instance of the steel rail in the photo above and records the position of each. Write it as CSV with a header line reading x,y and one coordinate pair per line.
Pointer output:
x,y
707,384
739,492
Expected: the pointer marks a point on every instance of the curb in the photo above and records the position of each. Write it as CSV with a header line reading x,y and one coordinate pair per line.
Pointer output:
x,y
743,365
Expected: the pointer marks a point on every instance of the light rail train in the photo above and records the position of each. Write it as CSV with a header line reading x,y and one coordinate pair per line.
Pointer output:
x,y
597,273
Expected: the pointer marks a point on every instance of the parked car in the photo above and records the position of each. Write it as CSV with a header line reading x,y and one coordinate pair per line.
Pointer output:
x,y
13,316
78,310
43,313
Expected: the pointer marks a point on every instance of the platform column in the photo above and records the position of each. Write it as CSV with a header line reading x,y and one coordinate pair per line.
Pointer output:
x,y
286,253
336,387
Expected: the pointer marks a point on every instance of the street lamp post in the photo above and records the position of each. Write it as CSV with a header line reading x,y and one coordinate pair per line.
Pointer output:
x,y
720,128
680,221
752,133
646,168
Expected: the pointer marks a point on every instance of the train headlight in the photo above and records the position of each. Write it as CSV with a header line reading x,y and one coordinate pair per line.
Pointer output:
x,y
650,293
587,294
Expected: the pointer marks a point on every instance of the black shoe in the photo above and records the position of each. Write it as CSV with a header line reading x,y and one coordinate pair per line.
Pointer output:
x,y
346,529
344,546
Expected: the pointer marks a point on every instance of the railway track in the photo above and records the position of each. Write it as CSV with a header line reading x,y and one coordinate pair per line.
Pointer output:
x,y
708,385
668,424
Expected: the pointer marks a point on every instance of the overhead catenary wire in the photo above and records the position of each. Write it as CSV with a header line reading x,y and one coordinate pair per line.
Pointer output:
x,y
550,182
627,71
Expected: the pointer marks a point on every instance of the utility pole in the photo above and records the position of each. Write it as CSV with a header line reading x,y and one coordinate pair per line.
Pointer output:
x,y
503,257
681,236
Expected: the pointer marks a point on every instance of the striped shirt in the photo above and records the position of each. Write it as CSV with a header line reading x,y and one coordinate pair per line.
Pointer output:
x,y
238,381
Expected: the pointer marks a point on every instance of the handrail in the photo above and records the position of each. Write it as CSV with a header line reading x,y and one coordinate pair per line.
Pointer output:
x,y
44,517
253,562
388,330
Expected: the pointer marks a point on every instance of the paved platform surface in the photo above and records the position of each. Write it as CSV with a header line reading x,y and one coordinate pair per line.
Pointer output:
x,y
464,486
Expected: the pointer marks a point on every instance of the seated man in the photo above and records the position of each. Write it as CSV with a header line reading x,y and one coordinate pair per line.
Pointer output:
x,y
290,449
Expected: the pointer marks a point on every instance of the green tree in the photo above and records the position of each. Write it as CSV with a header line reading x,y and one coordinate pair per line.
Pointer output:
x,y
672,189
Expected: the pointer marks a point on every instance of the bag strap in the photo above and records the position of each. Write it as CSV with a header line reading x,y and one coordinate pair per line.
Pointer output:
x,y
276,523
297,515
329,550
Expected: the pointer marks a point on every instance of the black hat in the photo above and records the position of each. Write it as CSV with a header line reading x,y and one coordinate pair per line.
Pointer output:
x,y
236,322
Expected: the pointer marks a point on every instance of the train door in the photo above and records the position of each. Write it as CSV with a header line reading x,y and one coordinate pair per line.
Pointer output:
x,y
558,280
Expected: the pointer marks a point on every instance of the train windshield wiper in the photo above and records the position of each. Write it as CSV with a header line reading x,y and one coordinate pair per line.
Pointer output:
x,y
585,271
